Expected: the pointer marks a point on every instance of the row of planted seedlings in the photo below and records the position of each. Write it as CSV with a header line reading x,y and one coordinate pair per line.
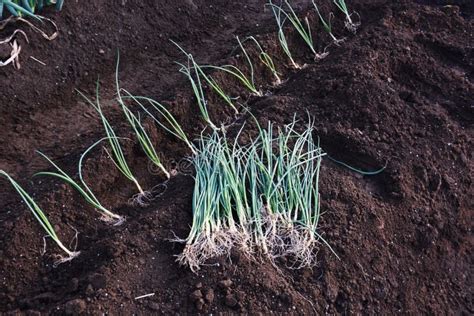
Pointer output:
x,y
202,76
261,197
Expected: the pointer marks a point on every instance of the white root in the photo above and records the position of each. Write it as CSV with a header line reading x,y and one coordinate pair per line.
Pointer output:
x,y
75,239
203,248
114,220
324,54
13,19
280,238
350,25
320,56
276,82
71,255
16,49
285,239
63,259
11,40
216,244
338,41
143,199
302,248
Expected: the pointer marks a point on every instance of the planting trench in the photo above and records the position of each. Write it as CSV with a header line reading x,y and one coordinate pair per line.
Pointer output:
x,y
399,92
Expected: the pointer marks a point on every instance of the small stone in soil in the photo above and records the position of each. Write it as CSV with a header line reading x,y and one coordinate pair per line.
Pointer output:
x,y
75,307
225,283
210,296
196,295
89,290
200,304
230,300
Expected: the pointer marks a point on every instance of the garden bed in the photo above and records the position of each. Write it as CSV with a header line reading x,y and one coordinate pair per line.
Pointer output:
x,y
398,92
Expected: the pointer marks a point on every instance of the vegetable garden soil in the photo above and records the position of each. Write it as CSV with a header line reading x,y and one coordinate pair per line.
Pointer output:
x,y
399,91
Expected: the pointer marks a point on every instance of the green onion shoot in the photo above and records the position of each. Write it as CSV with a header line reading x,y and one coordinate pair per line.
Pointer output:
x,y
82,187
42,219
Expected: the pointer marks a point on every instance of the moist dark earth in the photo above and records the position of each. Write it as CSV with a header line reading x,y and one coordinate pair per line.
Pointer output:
x,y
398,92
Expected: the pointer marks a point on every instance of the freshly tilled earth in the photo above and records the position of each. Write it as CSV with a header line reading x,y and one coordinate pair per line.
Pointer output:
x,y
398,92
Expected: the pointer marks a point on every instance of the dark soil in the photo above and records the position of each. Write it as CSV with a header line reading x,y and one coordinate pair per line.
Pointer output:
x,y
400,92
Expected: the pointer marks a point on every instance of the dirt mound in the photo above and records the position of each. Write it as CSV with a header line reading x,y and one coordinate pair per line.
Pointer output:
x,y
399,92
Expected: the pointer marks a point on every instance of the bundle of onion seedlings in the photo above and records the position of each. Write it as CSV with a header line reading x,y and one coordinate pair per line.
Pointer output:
x,y
262,198
42,219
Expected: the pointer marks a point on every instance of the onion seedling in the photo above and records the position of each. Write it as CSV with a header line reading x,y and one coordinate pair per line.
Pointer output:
x,y
292,194
218,89
277,12
200,244
83,188
140,131
144,139
196,84
303,31
266,60
117,155
198,90
239,75
199,72
42,219
327,24
221,217
248,83
174,127
350,25
249,61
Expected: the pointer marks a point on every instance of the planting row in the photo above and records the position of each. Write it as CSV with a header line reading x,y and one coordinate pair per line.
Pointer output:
x,y
261,197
